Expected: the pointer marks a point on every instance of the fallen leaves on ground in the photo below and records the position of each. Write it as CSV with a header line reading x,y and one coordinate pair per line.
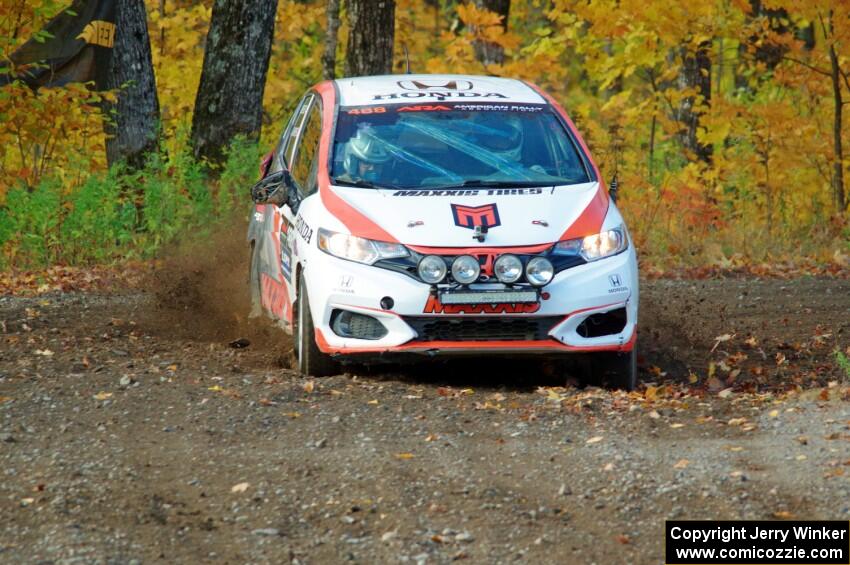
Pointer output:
x,y
73,279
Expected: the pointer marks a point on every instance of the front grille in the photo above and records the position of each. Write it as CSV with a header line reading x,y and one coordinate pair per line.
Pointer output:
x,y
481,328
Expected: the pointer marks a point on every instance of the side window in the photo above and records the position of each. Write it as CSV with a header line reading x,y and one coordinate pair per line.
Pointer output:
x,y
305,164
287,144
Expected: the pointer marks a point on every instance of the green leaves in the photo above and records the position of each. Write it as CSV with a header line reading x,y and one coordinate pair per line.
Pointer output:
x,y
116,215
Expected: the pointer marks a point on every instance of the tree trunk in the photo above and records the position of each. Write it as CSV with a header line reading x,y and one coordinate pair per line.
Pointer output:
x,y
329,56
486,52
135,116
236,59
838,157
370,38
695,73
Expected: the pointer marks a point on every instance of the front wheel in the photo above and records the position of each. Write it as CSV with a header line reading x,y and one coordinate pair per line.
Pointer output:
x,y
617,370
311,360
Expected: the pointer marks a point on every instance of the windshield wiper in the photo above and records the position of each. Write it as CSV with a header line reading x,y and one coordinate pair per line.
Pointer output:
x,y
361,183
493,184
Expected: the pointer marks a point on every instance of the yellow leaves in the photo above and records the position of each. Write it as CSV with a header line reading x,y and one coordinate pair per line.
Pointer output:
x,y
714,133
103,396
404,456
66,118
472,15
618,100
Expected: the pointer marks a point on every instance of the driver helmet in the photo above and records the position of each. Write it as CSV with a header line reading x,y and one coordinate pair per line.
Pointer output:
x,y
364,155
500,134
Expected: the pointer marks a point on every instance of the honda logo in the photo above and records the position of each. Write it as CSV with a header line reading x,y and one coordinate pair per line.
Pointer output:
x,y
615,280
472,217
428,84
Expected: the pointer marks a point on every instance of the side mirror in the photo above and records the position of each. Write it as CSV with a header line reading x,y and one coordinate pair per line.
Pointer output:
x,y
614,188
273,189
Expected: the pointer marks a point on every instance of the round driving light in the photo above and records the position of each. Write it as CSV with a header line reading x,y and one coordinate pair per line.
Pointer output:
x,y
539,271
432,269
465,269
508,268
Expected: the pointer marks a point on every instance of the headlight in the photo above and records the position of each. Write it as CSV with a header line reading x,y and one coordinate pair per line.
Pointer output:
x,y
597,246
465,269
358,249
539,271
508,268
432,269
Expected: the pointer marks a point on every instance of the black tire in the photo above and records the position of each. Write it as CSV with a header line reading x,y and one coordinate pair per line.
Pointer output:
x,y
617,370
311,361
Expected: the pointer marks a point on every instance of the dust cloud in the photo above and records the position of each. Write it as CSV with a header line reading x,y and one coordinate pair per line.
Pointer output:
x,y
201,292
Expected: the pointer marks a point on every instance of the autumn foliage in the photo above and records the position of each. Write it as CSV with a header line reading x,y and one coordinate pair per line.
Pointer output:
x,y
718,118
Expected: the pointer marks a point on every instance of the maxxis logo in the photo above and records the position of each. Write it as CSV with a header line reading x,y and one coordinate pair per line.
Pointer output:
x,y
434,306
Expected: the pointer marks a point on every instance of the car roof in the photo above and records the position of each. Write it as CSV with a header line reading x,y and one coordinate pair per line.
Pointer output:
x,y
392,89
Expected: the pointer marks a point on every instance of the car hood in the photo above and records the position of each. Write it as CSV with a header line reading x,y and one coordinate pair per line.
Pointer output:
x,y
447,218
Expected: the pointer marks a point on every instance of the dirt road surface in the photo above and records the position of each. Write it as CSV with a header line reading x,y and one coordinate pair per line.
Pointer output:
x,y
132,432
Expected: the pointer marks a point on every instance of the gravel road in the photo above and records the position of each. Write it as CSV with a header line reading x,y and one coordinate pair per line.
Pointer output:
x,y
132,432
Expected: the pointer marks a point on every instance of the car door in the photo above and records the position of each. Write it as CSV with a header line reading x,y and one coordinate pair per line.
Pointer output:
x,y
303,166
272,226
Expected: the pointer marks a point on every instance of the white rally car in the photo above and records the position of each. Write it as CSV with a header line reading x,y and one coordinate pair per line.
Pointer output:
x,y
441,215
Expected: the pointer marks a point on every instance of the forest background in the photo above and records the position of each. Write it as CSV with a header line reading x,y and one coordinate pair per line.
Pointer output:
x,y
721,119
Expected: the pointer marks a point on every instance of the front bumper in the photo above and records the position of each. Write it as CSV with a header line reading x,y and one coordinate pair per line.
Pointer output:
x,y
570,299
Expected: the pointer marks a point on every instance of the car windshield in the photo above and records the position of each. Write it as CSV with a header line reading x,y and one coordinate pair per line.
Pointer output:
x,y
453,145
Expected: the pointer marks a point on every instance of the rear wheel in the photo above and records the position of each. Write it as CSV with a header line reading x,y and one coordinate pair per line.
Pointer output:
x,y
311,360
616,370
